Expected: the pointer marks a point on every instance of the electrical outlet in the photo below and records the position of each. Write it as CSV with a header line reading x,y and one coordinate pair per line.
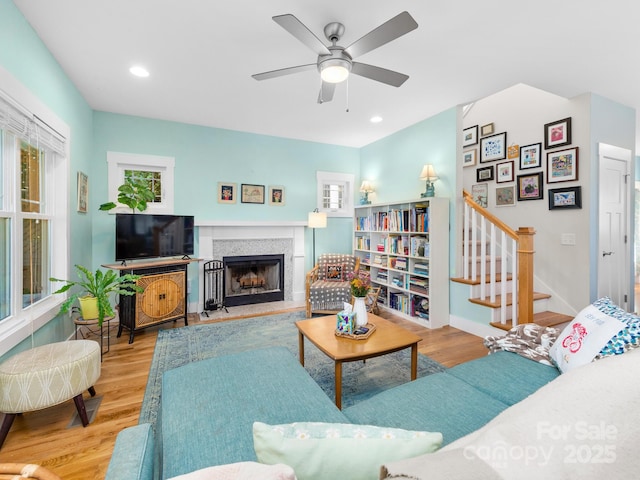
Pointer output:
x,y
567,239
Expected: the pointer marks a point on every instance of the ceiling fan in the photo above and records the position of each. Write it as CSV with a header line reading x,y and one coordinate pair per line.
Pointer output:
x,y
334,62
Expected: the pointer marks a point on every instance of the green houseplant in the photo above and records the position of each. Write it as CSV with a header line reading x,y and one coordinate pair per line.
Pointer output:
x,y
99,285
135,194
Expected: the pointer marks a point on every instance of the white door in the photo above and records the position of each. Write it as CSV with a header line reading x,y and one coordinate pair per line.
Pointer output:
x,y
613,246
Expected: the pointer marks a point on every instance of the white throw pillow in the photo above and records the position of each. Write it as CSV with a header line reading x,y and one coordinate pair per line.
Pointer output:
x,y
241,471
319,451
583,338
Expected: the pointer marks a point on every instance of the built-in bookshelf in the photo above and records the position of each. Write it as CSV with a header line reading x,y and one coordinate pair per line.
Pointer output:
x,y
405,248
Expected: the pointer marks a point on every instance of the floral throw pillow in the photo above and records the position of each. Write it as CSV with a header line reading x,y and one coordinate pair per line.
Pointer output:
x,y
334,272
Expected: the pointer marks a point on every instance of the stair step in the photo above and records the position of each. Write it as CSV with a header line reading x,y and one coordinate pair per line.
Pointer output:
x,y
476,280
552,319
496,304
545,319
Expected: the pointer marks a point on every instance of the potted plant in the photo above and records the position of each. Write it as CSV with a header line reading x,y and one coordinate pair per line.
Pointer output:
x,y
97,287
135,194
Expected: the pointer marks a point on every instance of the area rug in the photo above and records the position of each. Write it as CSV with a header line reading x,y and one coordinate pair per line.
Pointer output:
x,y
360,380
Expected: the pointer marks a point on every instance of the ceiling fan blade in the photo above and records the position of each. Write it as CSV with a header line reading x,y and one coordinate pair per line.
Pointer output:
x,y
379,74
296,28
326,92
390,30
284,71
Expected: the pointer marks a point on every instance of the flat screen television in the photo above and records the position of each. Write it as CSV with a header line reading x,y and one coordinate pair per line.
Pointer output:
x,y
153,236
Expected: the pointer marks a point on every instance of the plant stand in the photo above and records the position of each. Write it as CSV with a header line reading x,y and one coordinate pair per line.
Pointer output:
x,y
80,322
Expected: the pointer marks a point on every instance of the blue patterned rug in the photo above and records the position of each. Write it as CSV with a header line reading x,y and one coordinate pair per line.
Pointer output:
x,y
179,346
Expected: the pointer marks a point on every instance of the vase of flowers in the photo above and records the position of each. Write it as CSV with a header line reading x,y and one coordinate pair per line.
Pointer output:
x,y
360,284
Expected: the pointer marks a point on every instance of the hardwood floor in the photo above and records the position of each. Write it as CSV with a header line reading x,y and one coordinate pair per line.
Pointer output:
x,y
83,453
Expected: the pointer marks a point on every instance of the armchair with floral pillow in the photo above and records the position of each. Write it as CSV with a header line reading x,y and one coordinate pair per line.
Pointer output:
x,y
327,285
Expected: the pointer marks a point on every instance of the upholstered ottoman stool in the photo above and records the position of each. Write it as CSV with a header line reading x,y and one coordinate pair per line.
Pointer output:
x,y
46,376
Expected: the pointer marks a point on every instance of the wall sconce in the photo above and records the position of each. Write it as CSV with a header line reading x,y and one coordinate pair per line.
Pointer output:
x,y
428,174
366,188
316,220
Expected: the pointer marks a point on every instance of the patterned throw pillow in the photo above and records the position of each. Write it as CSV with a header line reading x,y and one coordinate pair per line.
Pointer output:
x,y
628,338
581,341
334,272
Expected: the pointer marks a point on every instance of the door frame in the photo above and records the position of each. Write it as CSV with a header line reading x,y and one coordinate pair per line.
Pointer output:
x,y
626,155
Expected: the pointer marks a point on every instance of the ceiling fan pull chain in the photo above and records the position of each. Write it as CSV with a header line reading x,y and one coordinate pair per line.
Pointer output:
x,y
347,111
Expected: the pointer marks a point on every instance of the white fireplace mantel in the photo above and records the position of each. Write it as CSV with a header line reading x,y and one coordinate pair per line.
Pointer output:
x,y
210,232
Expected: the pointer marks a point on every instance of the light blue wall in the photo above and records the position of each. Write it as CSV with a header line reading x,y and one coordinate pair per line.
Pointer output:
x,y
394,163
205,156
34,66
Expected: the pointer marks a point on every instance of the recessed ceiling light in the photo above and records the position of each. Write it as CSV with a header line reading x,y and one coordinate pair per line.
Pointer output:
x,y
376,119
139,71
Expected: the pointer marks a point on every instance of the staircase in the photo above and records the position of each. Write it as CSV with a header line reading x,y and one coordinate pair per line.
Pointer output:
x,y
493,255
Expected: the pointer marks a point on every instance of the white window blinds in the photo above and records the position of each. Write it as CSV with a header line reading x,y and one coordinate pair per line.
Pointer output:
x,y
17,120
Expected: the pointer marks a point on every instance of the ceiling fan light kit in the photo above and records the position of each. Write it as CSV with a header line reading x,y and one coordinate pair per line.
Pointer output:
x,y
335,63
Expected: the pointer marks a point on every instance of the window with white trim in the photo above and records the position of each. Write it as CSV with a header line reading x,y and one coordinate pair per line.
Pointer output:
x,y
335,193
154,170
33,219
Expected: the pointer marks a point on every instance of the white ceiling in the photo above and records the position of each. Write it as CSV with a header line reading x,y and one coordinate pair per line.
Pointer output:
x,y
202,53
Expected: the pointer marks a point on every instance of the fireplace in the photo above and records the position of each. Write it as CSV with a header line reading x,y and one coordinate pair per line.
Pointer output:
x,y
252,279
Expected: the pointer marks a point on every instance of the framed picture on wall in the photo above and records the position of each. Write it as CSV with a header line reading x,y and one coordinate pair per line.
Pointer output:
x,y
484,174
252,193
570,197
493,147
480,194
562,165
226,192
504,172
486,129
530,156
530,186
276,195
506,196
470,136
558,133
83,192
469,157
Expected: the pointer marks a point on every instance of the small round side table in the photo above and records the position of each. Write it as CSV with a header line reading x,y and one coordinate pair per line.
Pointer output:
x,y
80,322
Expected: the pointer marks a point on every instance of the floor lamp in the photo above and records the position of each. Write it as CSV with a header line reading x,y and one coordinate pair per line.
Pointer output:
x,y
316,220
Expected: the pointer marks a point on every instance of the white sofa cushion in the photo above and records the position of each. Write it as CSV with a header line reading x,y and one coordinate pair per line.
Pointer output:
x,y
584,424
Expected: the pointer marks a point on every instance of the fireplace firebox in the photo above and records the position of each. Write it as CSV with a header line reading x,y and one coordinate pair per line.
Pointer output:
x,y
252,279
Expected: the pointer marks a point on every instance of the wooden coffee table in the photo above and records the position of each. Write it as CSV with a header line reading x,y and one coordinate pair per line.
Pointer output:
x,y
387,338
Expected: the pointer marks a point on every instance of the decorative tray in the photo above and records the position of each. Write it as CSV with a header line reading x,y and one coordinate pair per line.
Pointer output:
x,y
364,336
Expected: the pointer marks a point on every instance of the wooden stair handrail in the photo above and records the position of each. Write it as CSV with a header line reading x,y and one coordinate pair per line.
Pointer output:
x,y
489,216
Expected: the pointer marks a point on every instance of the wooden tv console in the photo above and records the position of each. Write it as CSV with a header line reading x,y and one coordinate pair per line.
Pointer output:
x,y
164,297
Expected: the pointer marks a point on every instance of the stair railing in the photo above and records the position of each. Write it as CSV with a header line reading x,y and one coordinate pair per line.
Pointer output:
x,y
482,228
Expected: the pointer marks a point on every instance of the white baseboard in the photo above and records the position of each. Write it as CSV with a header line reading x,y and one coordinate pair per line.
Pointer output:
x,y
475,328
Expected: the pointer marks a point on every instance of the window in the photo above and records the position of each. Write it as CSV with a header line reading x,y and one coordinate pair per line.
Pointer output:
x,y
33,217
335,194
156,171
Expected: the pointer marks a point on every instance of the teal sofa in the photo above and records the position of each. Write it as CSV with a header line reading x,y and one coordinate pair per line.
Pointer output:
x,y
208,407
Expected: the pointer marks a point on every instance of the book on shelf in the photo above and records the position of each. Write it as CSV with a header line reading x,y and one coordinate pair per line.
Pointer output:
x,y
363,243
399,301
400,264
380,260
420,218
419,246
421,269
398,282
420,307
